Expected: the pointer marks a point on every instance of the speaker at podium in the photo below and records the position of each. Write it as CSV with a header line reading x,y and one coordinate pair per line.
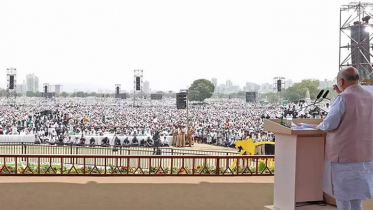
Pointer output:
x,y
299,165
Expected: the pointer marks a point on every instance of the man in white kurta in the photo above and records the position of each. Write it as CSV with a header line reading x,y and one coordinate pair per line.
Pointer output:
x,y
348,167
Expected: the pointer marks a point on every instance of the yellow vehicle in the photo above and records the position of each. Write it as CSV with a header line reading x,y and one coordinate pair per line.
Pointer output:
x,y
254,148
251,148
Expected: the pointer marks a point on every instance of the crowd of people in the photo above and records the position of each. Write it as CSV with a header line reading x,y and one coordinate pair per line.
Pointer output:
x,y
215,122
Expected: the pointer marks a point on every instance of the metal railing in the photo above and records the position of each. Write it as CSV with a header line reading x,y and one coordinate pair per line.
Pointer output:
x,y
31,148
135,165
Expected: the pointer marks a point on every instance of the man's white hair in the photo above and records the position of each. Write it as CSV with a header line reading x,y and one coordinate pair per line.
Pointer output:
x,y
349,77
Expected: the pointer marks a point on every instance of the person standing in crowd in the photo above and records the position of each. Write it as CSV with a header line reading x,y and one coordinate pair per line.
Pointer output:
x,y
182,136
209,138
190,135
175,136
348,167
178,139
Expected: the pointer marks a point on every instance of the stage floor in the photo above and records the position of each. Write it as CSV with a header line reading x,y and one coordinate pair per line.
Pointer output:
x,y
156,193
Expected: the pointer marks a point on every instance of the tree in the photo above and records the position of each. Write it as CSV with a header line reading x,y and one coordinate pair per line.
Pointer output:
x,y
64,94
92,94
38,94
270,97
80,94
170,93
159,92
200,90
222,95
298,90
30,94
241,94
2,92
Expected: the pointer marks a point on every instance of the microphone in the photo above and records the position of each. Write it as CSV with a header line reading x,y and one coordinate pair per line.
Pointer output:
x,y
319,95
325,94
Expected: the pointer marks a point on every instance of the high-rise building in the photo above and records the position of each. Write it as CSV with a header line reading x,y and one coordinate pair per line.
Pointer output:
x,y
221,88
146,87
266,88
288,83
215,82
58,88
251,86
36,84
326,84
32,83
228,84
21,88
235,89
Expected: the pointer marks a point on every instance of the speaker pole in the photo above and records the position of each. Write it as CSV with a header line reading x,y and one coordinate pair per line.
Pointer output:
x,y
137,74
187,102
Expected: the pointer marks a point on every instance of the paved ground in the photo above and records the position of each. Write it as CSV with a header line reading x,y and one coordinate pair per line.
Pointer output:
x,y
208,147
154,193
140,193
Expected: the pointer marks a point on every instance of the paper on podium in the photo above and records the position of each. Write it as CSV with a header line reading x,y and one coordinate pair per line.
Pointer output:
x,y
273,125
303,126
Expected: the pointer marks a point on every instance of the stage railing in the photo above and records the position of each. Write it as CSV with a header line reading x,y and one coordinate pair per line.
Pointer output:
x,y
31,148
135,165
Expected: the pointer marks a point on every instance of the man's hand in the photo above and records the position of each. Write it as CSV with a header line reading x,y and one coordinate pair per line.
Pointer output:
x,y
335,87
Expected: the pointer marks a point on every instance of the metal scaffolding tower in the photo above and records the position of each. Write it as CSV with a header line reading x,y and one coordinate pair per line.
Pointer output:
x,y
355,37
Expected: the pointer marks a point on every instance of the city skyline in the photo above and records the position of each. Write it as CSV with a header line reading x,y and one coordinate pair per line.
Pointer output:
x,y
173,42
89,87
226,86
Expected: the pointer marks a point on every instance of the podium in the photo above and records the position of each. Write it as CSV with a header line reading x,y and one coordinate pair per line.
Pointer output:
x,y
299,165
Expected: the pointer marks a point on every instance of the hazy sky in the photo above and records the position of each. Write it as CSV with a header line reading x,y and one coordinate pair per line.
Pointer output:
x,y
99,43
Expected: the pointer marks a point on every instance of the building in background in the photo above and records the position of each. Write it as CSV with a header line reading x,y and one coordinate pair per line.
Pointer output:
x,y
326,84
36,88
32,83
234,89
228,84
221,89
146,87
58,88
266,88
215,82
251,87
21,88
288,83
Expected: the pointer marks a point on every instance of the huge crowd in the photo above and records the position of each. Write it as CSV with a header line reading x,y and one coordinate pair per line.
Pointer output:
x,y
219,122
